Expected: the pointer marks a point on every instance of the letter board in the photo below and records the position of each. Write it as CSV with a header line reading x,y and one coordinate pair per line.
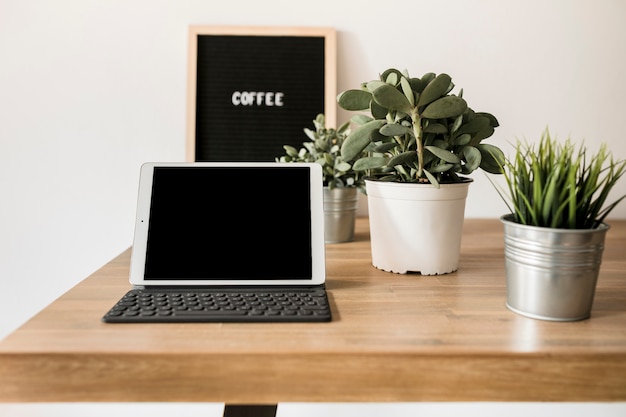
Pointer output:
x,y
254,89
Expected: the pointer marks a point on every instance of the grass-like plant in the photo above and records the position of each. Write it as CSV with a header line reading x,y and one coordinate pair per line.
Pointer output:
x,y
560,185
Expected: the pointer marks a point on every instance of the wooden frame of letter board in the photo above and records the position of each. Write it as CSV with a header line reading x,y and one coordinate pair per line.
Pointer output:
x,y
330,71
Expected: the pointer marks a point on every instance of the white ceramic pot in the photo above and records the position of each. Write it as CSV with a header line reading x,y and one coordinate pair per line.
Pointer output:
x,y
416,227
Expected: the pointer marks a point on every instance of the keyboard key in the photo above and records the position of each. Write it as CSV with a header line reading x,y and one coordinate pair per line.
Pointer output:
x,y
213,313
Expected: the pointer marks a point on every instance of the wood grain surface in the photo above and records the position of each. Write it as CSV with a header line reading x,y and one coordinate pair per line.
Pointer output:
x,y
393,338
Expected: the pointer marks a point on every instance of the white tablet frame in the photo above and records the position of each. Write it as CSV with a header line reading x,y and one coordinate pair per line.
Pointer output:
x,y
138,255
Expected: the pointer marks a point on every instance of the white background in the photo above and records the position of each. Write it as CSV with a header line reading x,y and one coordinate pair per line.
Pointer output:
x,y
90,89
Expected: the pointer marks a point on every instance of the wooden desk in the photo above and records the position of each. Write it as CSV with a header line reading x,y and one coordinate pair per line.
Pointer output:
x,y
393,338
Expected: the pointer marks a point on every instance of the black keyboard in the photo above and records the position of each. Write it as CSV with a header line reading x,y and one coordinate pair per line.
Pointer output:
x,y
201,305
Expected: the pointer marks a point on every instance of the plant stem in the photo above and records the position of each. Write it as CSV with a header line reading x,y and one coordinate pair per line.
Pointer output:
x,y
417,130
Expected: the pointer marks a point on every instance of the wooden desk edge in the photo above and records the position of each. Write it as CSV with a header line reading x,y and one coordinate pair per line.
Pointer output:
x,y
288,377
269,379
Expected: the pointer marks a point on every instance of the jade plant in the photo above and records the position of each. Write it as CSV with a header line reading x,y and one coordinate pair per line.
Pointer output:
x,y
560,185
325,149
417,130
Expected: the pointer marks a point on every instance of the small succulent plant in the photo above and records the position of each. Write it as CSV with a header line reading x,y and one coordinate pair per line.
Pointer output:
x,y
417,130
325,149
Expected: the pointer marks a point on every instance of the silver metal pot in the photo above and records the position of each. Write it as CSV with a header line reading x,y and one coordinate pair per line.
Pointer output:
x,y
340,205
551,274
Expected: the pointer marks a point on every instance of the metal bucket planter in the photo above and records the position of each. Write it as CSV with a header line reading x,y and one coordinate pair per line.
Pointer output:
x,y
340,205
416,227
551,274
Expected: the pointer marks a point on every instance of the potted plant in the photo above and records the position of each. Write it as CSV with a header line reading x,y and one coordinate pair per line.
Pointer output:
x,y
420,141
554,235
341,182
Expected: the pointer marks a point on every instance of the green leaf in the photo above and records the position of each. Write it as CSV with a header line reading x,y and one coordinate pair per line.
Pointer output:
x,y
403,158
377,136
417,85
492,158
457,123
291,151
549,199
435,128
310,133
369,162
359,139
321,144
355,100
343,166
443,154
475,125
391,75
343,128
407,90
395,129
463,139
378,111
472,158
492,119
384,147
435,89
392,78
432,179
449,106
483,134
390,98
427,78
360,119
441,168
373,85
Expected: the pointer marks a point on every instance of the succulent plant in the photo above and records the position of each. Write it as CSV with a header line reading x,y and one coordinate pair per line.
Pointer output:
x,y
325,149
417,130
560,185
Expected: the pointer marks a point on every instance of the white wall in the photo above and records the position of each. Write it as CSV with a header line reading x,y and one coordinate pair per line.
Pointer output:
x,y
91,89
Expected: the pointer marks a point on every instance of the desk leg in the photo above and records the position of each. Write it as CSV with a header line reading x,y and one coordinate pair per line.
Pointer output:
x,y
250,410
